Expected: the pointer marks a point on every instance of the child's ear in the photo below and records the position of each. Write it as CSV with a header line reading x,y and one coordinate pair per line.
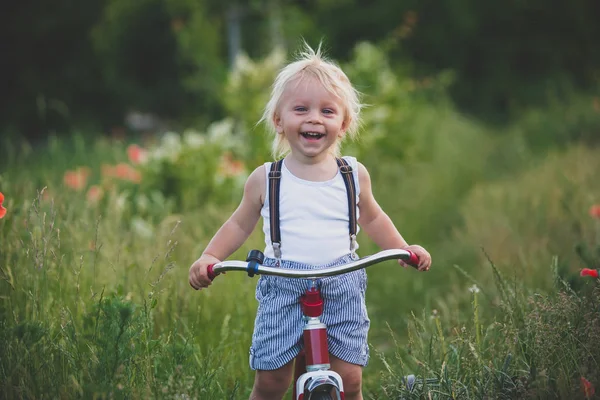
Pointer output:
x,y
277,123
344,127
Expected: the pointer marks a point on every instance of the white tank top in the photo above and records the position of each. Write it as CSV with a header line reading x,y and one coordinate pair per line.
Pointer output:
x,y
313,217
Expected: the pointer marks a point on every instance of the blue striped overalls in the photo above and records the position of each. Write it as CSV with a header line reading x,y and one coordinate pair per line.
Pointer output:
x,y
278,327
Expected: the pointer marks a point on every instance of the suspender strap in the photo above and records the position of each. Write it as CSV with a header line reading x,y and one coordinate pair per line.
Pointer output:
x,y
346,171
274,184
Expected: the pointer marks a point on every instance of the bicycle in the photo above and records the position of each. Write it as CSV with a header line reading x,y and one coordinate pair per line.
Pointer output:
x,y
312,375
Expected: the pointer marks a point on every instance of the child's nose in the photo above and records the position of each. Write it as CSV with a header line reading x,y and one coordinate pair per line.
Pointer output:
x,y
314,117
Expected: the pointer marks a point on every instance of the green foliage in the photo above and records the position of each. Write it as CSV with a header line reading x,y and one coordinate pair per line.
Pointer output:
x,y
94,298
503,62
531,336
246,94
499,356
84,67
556,193
394,117
394,102
196,169
86,308
52,68
160,56
569,118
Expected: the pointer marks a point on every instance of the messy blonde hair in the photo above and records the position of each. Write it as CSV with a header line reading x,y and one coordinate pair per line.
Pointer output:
x,y
312,64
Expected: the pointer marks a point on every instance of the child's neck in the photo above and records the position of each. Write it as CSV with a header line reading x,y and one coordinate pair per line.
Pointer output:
x,y
319,169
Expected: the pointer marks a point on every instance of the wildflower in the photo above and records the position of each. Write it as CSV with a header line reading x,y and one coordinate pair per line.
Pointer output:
x,y
230,167
94,194
2,209
221,131
193,139
434,314
127,173
587,387
589,272
77,179
595,211
171,142
474,289
122,171
136,154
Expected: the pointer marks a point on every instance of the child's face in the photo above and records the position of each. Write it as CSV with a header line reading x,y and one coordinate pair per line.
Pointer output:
x,y
311,118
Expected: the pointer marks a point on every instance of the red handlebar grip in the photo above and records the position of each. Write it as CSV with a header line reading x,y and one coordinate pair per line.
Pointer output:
x,y
209,271
413,261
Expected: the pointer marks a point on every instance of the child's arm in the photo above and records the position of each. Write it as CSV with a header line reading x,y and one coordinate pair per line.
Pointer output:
x,y
378,225
234,231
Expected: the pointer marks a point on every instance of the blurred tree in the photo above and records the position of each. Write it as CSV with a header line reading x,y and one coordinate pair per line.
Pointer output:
x,y
49,74
507,55
75,64
86,64
161,56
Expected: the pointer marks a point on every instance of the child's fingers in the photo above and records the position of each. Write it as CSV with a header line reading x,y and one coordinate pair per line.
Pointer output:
x,y
424,261
194,283
425,264
197,279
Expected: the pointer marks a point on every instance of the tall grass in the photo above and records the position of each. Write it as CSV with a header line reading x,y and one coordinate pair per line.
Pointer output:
x,y
90,311
96,304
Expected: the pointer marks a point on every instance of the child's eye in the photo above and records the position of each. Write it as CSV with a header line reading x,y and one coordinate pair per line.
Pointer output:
x,y
300,109
328,111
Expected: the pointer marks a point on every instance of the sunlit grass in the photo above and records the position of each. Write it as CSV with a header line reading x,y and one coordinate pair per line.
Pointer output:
x,y
94,298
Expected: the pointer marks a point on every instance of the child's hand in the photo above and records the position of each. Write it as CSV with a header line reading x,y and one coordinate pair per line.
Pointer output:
x,y
422,254
199,272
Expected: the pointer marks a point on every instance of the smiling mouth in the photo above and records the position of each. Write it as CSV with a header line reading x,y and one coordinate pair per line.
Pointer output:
x,y
312,135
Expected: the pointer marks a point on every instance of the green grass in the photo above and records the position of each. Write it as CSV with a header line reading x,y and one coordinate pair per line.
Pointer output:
x,y
94,298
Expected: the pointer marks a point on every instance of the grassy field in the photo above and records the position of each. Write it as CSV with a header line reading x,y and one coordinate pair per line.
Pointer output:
x,y
95,303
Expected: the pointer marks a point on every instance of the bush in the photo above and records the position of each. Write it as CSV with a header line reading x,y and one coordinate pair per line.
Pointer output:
x,y
523,223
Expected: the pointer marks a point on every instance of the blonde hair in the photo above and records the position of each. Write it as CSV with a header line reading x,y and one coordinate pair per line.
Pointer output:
x,y
313,64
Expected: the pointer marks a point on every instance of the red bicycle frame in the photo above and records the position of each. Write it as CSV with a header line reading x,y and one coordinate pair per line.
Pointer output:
x,y
315,355
313,376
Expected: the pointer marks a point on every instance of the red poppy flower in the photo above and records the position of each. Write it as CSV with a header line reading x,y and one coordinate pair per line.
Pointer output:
x,y
587,387
595,211
136,154
589,272
77,179
230,167
127,173
94,194
2,209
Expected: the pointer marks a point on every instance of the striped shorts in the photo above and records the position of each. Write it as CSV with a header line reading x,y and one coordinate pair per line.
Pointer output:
x,y
278,327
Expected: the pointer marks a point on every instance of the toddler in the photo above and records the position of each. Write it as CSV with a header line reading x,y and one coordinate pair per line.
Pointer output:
x,y
311,215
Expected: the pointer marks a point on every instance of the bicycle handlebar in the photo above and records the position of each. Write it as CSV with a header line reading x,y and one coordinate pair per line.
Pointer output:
x,y
253,265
